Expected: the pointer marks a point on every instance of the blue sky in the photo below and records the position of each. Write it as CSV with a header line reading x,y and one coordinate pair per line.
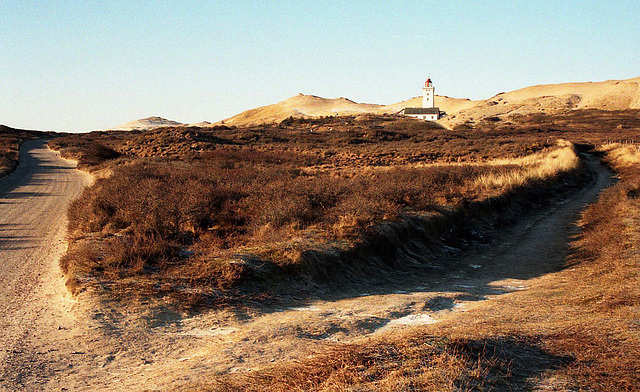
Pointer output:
x,y
82,65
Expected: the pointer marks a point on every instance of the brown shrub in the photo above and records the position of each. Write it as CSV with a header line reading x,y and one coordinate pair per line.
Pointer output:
x,y
280,193
575,329
88,153
148,213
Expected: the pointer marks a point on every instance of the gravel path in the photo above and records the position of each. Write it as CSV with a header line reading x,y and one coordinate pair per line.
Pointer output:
x,y
33,204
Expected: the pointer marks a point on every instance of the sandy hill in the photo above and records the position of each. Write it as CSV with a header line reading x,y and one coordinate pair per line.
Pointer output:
x,y
551,98
301,106
312,106
146,123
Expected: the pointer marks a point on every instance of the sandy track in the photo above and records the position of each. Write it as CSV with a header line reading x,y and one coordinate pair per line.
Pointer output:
x,y
51,342
33,203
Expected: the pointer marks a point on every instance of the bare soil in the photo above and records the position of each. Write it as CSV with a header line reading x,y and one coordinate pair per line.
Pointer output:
x,y
52,341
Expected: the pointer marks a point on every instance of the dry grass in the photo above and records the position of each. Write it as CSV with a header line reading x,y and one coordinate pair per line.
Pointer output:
x,y
532,168
573,330
230,208
329,143
414,363
587,126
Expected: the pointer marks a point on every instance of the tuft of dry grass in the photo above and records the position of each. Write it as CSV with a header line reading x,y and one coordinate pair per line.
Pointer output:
x,y
408,362
532,168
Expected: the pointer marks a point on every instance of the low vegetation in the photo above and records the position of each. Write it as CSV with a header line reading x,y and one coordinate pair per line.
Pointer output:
x,y
213,213
209,215
416,362
577,330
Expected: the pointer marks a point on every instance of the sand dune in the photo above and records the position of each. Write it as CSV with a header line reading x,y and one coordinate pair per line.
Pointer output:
x,y
551,98
302,106
146,123
312,106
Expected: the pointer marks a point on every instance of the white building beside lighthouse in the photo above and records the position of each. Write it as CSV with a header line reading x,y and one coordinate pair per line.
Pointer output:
x,y
428,111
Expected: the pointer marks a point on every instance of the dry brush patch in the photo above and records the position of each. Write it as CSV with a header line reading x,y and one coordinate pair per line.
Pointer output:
x,y
587,126
330,143
234,215
588,312
572,330
417,362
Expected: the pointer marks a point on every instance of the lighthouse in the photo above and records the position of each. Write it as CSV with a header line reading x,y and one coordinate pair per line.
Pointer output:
x,y
428,94
428,111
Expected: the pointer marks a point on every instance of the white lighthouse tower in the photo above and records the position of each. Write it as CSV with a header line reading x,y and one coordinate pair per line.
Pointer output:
x,y
428,111
428,94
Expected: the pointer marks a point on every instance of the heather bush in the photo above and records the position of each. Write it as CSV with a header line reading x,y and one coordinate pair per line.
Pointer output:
x,y
186,202
151,209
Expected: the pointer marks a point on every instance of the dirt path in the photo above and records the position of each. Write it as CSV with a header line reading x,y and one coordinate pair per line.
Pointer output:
x,y
52,342
33,203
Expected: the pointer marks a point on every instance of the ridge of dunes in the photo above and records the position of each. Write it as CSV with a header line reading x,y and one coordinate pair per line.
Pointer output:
x,y
549,98
302,105
553,99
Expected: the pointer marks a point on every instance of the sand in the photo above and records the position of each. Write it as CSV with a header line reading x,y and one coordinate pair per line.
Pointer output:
x,y
550,99
146,123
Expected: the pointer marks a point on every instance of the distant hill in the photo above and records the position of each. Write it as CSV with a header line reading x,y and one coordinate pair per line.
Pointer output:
x,y
146,123
312,106
551,99
302,106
